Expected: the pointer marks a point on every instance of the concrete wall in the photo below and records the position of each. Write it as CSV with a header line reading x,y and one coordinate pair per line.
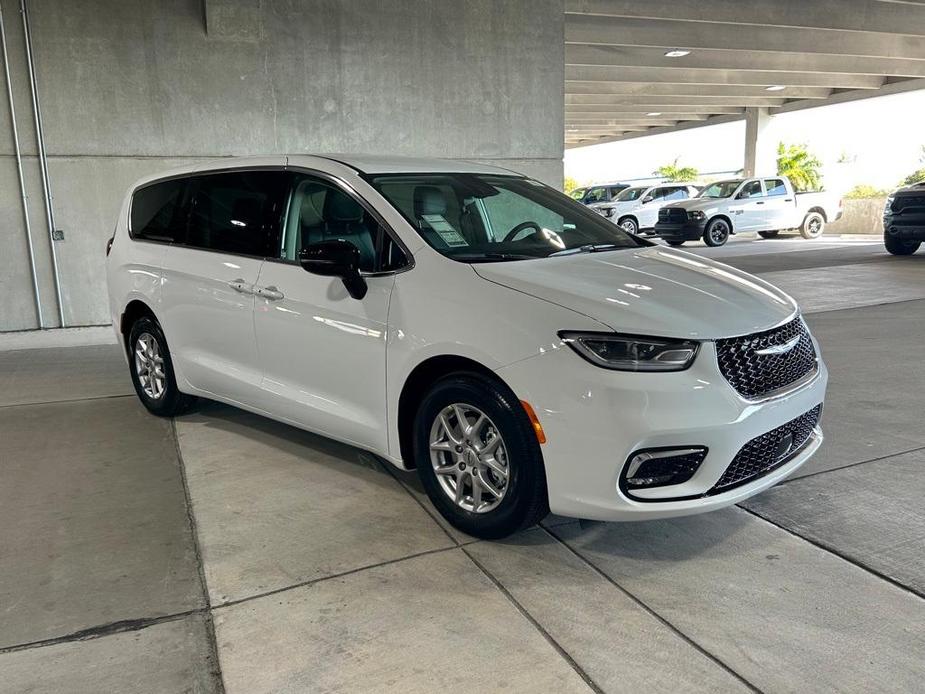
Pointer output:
x,y
861,217
129,87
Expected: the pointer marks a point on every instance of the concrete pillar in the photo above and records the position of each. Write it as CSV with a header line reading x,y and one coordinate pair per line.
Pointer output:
x,y
760,152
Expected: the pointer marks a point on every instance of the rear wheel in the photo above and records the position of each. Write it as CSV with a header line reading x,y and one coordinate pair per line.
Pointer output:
x,y
629,224
152,370
812,226
716,233
899,246
478,457
769,234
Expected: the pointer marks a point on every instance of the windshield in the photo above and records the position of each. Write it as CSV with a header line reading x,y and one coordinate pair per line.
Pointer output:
x,y
720,189
483,218
631,194
578,193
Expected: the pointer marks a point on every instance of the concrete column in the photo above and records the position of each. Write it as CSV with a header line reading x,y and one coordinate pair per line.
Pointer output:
x,y
760,152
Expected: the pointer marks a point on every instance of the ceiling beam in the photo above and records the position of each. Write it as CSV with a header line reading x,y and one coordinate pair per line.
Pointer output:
x,y
848,15
852,95
647,87
722,59
617,122
614,109
716,120
655,103
672,33
682,75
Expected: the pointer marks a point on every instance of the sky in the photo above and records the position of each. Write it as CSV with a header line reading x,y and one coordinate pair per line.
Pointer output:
x,y
879,142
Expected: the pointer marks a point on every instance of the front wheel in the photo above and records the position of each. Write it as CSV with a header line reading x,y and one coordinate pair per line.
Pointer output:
x,y
478,457
899,246
629,224
675,243
812,226
716,233
769,234
152,370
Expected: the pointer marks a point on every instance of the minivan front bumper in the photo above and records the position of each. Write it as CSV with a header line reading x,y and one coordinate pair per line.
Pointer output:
x,y
595,419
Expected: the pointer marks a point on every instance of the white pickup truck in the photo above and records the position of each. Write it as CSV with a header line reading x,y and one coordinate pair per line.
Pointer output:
x,y
766,205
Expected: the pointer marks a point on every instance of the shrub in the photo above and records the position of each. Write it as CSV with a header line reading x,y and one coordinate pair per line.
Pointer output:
x,y
865,192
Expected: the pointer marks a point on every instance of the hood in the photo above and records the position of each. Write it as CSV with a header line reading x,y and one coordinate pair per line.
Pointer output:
x,y
650,291
702,204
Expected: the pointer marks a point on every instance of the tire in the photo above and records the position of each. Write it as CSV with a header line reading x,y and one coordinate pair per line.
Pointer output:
x,y
769,234
898,246
148,344
523,500
674,243
813,226
717,232
629,224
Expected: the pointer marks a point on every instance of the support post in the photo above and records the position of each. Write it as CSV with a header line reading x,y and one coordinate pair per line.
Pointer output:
x,y
760,155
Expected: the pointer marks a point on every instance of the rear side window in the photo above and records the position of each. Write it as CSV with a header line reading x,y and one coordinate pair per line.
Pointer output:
x,y
237,212
157,211
775,186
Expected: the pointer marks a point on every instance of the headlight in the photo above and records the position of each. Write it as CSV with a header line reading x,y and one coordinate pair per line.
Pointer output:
x,y
888,208
632,353
696,216
607,211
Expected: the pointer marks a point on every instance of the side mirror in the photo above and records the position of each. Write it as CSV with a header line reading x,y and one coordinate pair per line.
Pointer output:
x,y
335,258
647,199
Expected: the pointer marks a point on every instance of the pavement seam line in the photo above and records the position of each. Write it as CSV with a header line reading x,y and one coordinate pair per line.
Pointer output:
x,y
321,579
101,630
194,531
849,465
66,401
420,503
564,654
687,639
830,549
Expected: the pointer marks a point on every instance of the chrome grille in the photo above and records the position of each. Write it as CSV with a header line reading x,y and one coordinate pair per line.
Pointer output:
x,y
756,365
767,452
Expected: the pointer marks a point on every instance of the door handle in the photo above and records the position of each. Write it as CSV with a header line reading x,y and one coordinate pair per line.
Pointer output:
x,y
788,199
271,293
759,203
241,286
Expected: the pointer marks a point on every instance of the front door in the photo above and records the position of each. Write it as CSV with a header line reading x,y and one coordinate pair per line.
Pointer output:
x,y
323,352
748,208
207,306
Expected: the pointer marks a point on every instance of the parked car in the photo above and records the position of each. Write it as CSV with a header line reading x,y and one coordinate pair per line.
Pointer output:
x,y
601,193
517,349
766,205
904,220
636,209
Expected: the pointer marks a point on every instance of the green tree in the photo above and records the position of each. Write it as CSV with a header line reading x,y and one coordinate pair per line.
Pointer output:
x,y
677,174
865,192
800,166
569,184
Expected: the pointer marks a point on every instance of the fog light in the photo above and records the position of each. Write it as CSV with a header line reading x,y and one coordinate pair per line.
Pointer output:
x,y
660,467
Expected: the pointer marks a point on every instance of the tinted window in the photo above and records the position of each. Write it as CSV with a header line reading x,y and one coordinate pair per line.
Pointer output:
x,y
631,194
321,211
156,211
237,212
752,189
775,186
484,218
676,193
596,195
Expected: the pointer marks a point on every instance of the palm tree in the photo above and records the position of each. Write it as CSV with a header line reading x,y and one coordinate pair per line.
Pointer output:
x,y
677,174
800,166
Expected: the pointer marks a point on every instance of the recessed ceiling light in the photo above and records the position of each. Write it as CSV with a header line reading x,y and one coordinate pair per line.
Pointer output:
x,y
677,53
654,113
775,88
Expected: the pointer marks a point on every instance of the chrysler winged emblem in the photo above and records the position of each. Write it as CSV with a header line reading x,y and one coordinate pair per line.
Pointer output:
x,y
779,349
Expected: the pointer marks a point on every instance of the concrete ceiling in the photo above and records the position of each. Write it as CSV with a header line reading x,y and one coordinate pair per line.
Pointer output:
x,y
620,84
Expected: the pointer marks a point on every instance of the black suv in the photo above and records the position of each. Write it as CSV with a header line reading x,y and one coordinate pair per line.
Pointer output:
x,y
904,220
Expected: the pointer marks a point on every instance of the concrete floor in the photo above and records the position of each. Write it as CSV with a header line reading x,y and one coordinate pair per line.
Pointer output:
x,y
227,552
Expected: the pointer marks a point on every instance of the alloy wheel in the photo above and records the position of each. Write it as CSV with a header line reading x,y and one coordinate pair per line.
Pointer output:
x,y
469,458
149,366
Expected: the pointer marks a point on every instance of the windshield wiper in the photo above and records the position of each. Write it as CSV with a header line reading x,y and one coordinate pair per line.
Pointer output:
x,y
589,248
488,257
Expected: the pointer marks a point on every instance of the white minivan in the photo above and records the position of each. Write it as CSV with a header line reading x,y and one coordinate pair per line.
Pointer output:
x,y
520,351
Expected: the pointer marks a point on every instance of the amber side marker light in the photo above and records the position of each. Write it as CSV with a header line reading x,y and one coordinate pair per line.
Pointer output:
x,y
537,427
